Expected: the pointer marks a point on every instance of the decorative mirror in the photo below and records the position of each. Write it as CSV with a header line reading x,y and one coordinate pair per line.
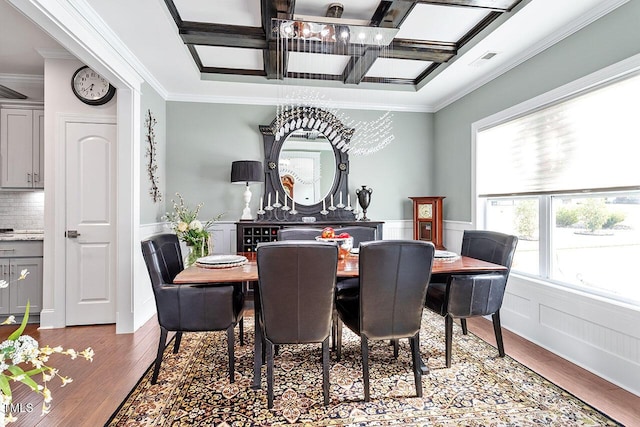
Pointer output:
x,y
306,165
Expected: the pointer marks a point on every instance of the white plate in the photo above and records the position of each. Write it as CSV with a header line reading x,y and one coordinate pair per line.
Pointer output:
x,y
445,254
221,259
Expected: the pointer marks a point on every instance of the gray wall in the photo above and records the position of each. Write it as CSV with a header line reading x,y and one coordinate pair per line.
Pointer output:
x,y
612,38
151,212
203,140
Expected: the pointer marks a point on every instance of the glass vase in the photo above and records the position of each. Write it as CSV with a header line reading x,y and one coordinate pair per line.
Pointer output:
x,y
200,249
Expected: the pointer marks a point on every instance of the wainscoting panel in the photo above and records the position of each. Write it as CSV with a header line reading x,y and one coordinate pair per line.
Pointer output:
x,y
597,334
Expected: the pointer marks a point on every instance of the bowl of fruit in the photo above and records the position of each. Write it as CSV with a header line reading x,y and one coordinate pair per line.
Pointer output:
x,y
343,240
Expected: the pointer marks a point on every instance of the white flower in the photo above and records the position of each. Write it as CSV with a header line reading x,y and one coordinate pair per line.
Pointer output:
x,y
23,274
3,284
182,226
195,225
9,320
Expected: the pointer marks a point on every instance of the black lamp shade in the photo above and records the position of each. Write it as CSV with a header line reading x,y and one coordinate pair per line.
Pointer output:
x,y
246,171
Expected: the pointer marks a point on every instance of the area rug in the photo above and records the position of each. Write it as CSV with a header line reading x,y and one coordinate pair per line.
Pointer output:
x,y
480,388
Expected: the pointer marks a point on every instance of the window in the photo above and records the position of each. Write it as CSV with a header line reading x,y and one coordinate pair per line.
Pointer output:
x,y
563,177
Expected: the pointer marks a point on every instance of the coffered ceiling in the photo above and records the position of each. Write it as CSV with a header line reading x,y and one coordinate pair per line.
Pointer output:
x,y
227,51
317,40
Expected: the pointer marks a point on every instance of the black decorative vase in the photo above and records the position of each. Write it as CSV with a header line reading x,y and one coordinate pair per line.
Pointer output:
x,y
364,198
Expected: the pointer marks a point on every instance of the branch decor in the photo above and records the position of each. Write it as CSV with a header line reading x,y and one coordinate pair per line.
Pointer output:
x,y
152,166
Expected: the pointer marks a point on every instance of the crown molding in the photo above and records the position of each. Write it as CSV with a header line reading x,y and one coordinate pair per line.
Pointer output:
x,y
22,78
269,101
101,28
53,53
586,19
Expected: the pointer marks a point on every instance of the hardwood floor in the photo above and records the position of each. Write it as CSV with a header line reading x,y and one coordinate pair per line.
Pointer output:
x,y
100,386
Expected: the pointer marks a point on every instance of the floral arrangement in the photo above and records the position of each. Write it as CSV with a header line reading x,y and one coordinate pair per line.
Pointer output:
x,y
185,223
19,350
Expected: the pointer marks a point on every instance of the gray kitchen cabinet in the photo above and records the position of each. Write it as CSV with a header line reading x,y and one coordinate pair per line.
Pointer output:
x,y
16,256
21,148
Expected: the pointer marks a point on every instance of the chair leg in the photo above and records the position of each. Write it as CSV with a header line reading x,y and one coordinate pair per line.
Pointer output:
x,y
463,323
396,348
334,328
364,348
269,375
230,342
161,345
498,331
339,340
176,344
417,370
448,336
241,330
325,370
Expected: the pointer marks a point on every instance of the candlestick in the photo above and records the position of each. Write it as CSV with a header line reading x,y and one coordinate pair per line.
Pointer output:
x,y
331,199
276,198
341,197
285,200
324,207
261,203
269,200
331,207
340,205
348,208
293,205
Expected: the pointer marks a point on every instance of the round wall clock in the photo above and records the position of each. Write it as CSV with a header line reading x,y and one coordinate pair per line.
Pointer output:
x,y
90,87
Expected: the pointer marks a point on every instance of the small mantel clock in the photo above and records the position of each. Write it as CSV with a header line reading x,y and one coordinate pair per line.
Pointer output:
x,y
427,219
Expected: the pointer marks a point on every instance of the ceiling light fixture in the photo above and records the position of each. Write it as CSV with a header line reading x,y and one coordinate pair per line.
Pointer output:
x,y
306,108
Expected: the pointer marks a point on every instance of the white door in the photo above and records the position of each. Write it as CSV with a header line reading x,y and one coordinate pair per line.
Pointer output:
x,y
90,223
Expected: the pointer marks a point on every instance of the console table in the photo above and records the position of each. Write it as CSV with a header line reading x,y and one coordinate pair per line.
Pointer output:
x,y
250,233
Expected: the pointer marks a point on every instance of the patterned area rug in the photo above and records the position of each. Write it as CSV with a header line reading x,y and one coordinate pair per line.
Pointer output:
x,y
480,389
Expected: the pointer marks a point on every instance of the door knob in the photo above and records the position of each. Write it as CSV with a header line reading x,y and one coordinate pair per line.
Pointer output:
x,y
72,234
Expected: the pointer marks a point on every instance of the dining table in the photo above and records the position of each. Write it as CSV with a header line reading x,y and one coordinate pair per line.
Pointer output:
x,y
347,267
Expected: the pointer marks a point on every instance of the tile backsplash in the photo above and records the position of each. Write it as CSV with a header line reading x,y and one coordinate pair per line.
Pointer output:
x,y
22,210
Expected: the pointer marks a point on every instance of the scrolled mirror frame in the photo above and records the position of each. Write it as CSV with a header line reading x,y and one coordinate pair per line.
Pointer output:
x,y
275,134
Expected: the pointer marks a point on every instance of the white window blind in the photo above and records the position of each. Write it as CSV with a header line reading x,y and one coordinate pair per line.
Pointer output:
x,y
586,143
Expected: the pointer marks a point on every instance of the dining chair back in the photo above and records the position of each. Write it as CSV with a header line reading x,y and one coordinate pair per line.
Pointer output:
x,y
394,275
188,308
359,233
296,293
298,233
465,296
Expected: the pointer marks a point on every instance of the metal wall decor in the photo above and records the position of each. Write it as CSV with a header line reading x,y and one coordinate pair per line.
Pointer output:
x,y
152,165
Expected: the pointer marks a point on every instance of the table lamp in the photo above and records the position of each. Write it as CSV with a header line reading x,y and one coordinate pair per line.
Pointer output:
x,y
246,171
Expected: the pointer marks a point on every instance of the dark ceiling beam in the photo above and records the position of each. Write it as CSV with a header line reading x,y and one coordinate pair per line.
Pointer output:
x,y
275,60
389,14
497,5
359,65
222,35
421,50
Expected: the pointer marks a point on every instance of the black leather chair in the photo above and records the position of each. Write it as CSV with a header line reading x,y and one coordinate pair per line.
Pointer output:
x,y
298,233
464,296
189,308
296,293
394,275
360,234
350,285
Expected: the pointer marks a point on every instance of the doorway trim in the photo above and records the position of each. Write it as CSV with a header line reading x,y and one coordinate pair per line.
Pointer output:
x,y
65,22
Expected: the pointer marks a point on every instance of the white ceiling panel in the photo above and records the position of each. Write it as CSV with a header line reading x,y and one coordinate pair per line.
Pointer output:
x,y
316,63
230,57
353,9
397,68
231,12
443,23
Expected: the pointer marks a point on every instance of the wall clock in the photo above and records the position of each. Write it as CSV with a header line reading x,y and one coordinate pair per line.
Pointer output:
x,y
90,87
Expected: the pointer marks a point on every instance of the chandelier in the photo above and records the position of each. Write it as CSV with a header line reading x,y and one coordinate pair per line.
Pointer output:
x,y
303,107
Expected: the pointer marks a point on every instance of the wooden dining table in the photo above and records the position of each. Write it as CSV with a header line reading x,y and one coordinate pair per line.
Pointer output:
x,y
347,267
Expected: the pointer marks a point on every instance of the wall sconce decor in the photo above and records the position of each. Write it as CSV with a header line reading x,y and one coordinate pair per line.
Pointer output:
x,y
152,165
